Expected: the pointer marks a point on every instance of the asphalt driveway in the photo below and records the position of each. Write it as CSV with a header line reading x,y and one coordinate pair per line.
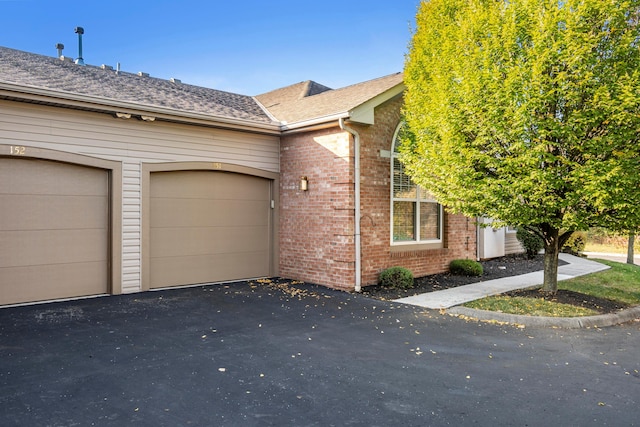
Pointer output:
x,y
254,355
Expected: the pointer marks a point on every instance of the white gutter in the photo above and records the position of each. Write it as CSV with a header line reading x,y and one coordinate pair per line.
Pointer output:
x,y
478,231
304,125
356,164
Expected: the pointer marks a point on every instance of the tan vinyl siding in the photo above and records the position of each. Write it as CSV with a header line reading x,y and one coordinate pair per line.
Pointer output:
x,y
132,142
111,138
131,222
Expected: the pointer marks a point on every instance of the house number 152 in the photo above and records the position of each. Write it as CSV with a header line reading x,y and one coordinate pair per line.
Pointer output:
x,y
17,150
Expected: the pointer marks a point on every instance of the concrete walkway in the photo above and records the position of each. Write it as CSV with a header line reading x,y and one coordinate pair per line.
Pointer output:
x,y
575,267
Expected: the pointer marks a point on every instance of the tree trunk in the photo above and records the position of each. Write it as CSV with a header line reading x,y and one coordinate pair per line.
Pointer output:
x,y
630,248
551,250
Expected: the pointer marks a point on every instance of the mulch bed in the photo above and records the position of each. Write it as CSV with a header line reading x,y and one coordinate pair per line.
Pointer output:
x,y
512,265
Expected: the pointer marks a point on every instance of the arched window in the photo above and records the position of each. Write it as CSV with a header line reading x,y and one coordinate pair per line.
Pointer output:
x,y
416,215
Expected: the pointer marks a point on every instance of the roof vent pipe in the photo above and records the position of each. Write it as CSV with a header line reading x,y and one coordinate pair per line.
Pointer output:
x,y
59,46
79,31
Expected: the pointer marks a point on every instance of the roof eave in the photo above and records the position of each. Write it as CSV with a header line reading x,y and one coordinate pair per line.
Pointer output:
x,y
312,124
110,106
364,113
265,110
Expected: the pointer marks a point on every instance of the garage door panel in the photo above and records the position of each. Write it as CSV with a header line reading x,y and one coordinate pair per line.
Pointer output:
x,y
30,176
25,248
54,230
186,270
208,226
172,185
209,185
241,212
208,213
242,187
211,240
46,282
52,212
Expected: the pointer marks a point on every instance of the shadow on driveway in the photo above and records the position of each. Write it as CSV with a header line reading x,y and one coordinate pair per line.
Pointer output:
x,y
261,354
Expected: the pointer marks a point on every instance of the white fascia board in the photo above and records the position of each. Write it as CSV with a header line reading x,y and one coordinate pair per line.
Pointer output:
x,y
305,124
364,113
94,103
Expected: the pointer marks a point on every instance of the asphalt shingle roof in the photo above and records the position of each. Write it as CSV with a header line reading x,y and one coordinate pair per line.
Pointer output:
x,y
296,103
51,73
291,93
300,102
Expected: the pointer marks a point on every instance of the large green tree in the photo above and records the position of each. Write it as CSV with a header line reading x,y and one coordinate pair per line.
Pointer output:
x,y
527,112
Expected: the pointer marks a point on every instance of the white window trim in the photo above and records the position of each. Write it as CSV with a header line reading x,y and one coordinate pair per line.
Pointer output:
x,y
417,242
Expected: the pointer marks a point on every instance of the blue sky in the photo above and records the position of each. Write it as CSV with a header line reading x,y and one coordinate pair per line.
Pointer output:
x,y
247,47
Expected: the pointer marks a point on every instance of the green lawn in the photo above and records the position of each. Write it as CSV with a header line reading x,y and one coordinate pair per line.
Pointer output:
x,y
529,307
620,283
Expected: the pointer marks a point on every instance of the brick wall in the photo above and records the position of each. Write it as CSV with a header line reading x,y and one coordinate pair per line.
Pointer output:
x,y
459,232
316,226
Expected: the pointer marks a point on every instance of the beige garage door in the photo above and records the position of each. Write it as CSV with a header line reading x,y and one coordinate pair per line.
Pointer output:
x,y
208,226
53,230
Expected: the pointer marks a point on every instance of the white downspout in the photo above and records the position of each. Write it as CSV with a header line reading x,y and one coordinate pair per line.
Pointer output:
x,y
356,178
479,250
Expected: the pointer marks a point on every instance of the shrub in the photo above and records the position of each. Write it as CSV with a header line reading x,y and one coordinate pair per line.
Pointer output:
x,y
576,243
396,277
602,236
532,243
465,267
